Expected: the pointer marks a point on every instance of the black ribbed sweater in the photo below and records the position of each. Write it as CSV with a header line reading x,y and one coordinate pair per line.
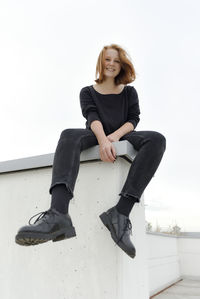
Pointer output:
x,y
113,110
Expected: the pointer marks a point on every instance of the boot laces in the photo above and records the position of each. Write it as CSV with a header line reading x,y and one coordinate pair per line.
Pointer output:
x,y
41,215
127,227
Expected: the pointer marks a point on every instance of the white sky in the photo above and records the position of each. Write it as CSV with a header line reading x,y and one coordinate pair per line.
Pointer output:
x,y
49,51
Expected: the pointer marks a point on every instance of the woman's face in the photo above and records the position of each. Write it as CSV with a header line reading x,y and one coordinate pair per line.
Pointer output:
x,y
112,65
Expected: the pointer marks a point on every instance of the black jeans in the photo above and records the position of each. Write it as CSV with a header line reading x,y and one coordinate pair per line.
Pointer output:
x,y
149,144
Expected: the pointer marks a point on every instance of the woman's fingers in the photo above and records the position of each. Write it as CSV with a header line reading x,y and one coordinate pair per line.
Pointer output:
x,y
108,154
104,156
114,151
111,153
107,158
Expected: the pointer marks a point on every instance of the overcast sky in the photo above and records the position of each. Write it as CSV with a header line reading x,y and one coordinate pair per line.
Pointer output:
x,y
49,51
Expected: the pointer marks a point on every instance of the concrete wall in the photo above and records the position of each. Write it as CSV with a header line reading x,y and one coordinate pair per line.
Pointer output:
x,y
171,258
163,261
189,254
88,266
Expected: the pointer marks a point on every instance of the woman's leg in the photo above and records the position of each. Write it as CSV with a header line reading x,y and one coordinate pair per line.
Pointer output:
x,y
52,224
151,146
66,165
67,156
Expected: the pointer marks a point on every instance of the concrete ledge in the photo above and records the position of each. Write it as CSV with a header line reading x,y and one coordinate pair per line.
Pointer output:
x,y
161,234
193,235
123,148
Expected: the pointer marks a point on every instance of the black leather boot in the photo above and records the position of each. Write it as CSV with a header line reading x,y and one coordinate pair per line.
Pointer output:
x,y
50,225
120,227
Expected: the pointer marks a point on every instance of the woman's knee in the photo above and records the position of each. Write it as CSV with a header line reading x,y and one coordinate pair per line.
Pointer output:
x,y
75,133
158,139
66,133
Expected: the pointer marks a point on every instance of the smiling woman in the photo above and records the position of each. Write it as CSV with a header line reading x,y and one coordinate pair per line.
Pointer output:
x,y
111,109
114,59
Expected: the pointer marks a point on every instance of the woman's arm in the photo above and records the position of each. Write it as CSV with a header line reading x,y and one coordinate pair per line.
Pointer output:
x,y
106,148
124,129
132,118
88,107
89,111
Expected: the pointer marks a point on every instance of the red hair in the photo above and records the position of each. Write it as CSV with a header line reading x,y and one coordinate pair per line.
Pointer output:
x,y
127,73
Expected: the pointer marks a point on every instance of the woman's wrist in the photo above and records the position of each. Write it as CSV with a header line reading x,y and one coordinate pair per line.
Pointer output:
x,y
97,129
124,129
102,140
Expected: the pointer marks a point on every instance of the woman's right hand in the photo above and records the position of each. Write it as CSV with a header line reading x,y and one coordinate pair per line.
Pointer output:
x,y
107,151
106,148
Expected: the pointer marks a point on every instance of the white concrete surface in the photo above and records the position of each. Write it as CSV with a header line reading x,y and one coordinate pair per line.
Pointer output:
x,y
185,289
163,261
88,266
171,258
189,254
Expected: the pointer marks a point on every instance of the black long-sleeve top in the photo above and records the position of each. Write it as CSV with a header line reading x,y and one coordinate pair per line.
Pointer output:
x,y
113,110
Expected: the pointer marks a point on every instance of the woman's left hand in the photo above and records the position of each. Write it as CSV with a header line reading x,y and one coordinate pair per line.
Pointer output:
x,y
113,137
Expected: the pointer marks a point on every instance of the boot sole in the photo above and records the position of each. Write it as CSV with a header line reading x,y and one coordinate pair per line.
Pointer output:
x,y
106,221
31,238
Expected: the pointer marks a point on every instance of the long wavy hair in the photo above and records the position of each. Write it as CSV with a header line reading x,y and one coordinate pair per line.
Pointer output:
x,y
127,73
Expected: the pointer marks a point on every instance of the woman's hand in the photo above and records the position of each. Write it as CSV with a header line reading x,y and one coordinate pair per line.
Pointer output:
x,y
107,151
113,137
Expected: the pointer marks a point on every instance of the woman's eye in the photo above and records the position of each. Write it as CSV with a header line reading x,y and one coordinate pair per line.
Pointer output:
x,y
115,60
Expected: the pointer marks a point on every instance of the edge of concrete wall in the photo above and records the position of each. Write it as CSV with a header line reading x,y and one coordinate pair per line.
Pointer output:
x,y
123,148
194,235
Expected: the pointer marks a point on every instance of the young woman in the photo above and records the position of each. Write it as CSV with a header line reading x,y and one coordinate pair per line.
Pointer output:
x,y
111,108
